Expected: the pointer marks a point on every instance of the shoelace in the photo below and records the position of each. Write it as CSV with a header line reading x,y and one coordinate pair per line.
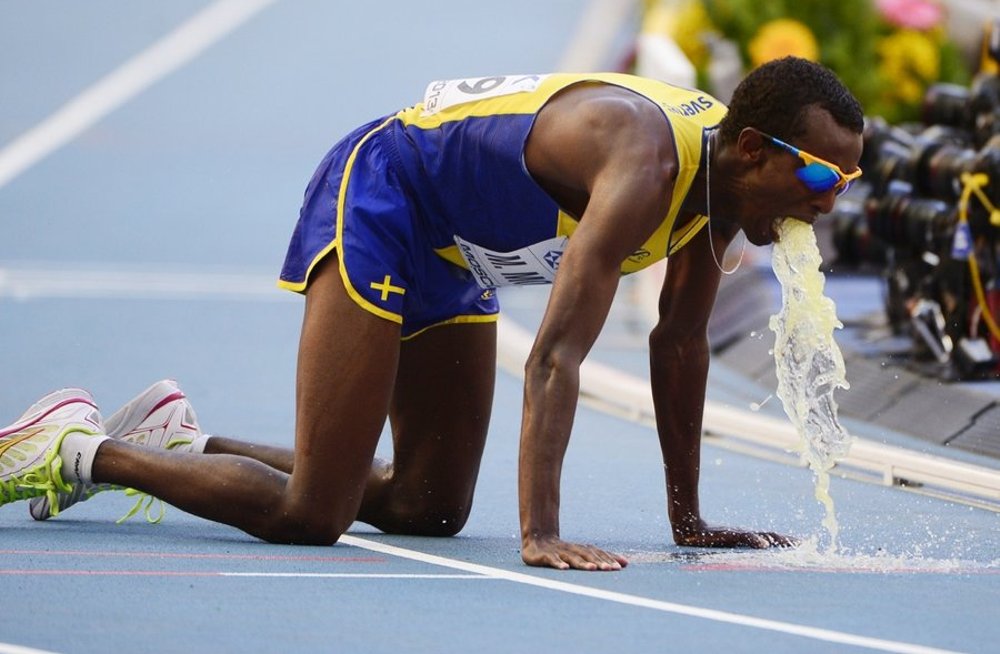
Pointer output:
x,y
147,499
43,479
143,499
8,493
16,489
85,492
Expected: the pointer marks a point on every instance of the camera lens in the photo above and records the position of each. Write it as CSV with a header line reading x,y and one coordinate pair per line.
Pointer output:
x,y
909,223
893,162
941,177
946,104
988,161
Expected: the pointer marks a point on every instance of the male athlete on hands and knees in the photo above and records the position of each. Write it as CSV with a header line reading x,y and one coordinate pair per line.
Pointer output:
x,y
408,226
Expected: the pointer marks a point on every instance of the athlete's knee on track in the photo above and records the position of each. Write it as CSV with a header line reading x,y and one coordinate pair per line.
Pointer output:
x,y
428,516
303,523
447,522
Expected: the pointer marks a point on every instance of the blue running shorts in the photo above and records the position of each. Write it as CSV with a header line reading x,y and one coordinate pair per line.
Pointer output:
x,y
357,203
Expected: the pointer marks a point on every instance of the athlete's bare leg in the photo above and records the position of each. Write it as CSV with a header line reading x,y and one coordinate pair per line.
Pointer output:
x,y
281,458
346,374
440,414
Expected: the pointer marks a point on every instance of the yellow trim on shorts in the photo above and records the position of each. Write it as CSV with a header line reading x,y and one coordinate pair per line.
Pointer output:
x,y
295,287
300,287
341,201
457,320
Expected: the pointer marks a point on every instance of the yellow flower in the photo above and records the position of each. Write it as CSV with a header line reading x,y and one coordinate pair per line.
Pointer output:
x,y
782,37
910,51
909,61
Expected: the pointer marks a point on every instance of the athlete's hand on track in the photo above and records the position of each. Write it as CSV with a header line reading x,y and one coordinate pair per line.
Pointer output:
x,y
703,535
556,553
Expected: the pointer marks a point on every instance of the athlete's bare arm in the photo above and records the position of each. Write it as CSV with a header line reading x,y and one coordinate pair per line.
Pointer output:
x,y
679,356
607,155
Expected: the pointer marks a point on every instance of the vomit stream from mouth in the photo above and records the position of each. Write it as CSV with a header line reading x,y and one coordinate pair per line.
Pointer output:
x,y
808,361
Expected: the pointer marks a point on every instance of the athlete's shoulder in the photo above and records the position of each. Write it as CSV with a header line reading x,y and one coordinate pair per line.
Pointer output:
x,y
690,105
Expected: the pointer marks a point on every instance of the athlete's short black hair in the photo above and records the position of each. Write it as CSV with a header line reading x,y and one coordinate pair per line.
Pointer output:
x,y
773,98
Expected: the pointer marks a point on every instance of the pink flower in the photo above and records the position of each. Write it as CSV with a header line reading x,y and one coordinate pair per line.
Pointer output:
x,y
915,14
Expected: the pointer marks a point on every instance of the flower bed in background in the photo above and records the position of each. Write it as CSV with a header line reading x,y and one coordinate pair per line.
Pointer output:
x,y
887,51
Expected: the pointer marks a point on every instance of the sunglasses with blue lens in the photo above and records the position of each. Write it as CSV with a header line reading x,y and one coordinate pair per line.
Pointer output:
x,y
819,175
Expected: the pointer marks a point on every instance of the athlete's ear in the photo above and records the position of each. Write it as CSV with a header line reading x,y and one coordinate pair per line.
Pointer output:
x,y
750,145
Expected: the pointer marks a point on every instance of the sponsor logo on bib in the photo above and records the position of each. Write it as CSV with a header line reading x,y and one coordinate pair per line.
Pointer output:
x,y
535,264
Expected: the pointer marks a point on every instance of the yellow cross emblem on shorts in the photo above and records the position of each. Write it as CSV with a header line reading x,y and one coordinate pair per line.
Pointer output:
x,y
386,287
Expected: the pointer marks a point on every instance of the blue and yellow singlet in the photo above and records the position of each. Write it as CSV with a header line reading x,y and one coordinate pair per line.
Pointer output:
x,y
448,175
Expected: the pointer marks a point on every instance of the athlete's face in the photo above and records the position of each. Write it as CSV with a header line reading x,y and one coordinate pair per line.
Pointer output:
x,y
780,188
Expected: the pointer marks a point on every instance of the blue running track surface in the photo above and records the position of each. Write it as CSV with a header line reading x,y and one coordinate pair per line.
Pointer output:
x,y
152,160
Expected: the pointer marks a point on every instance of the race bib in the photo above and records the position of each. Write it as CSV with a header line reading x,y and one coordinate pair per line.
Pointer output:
x,y
447,93
535,264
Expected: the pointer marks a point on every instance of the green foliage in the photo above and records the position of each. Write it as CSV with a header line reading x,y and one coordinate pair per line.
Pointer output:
x,y
849,34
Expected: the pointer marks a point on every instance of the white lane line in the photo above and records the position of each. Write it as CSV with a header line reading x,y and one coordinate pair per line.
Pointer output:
x,y
194,283
7,648
813,633
354,575
216,573
131,78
